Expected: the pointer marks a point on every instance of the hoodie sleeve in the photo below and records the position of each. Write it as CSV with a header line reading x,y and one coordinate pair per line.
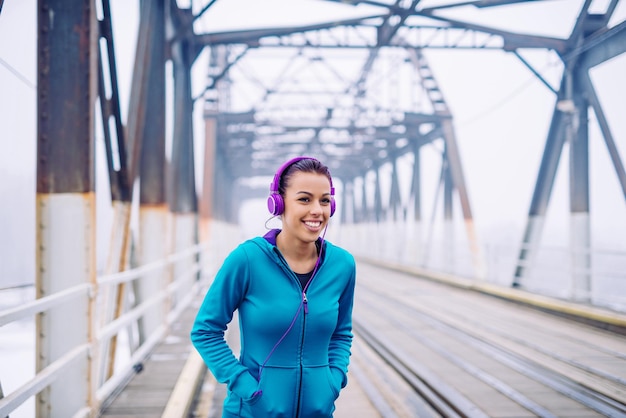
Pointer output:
x,y
207,335
341,340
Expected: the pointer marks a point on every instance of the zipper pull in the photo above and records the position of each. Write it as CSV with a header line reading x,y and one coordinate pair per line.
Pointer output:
x,y
306,303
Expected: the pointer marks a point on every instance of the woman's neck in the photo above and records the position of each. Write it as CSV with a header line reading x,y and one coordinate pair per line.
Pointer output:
x,y
301,256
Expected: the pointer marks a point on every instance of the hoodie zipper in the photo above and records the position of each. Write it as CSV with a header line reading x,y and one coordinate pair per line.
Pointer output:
x,y
306,311
305,303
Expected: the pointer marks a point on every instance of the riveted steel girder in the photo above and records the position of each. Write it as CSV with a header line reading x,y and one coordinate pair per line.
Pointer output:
x,y
65,204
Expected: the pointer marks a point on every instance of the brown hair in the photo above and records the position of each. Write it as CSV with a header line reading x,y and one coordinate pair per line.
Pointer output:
x,y
306,165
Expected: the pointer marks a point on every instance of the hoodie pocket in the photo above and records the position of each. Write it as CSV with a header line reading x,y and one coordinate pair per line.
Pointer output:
x,y
318,392
278,394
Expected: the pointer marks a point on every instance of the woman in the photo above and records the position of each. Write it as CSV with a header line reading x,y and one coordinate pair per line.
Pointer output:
x,y
294,293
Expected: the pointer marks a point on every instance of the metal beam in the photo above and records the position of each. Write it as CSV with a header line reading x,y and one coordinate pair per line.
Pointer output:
x,y
543,188
153,213
119,247
577,133
115,145
511,40
67,36
606,133
252,37
600,47
395,201
183,197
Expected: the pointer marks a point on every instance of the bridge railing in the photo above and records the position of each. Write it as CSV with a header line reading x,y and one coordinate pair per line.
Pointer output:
x,y
169,302
185,283
591,276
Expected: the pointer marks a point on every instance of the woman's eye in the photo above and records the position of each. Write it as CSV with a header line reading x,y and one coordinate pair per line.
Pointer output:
x,y
304,199
325,201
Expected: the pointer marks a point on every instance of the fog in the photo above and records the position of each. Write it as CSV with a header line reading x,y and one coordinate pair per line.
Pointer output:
x,y
502,114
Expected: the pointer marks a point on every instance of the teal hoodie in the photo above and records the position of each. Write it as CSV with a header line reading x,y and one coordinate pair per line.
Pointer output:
x,y
298,373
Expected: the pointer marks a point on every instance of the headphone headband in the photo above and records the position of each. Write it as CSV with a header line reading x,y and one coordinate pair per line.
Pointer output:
x,y
275,202
275,185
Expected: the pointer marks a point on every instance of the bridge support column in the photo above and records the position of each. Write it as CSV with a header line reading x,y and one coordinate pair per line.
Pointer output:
x,y
415,247
580,230
397,235
208,186
569,125
183,201
379,227
153,213
128,153
541,196
65,206
455,168
448,244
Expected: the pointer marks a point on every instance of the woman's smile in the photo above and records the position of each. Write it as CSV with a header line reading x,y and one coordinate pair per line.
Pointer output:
x,y
313,225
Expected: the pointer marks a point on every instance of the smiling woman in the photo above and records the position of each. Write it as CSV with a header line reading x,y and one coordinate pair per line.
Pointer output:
x,y
294,293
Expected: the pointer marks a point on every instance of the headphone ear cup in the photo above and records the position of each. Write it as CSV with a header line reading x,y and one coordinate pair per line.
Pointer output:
x,y
333,206
275,204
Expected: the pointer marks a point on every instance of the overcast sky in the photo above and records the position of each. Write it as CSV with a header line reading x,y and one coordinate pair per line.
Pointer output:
x,y
502,114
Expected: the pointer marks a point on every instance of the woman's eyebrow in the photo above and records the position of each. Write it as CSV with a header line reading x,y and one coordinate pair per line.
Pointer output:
x,y
311,194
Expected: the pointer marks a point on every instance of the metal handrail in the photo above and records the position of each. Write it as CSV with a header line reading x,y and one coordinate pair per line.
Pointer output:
x,y
43,379
40,305
129,316
132,274
50,373
110,385
501,261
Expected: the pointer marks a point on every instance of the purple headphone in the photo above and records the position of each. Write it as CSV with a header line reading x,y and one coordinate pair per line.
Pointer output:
x,y
275,202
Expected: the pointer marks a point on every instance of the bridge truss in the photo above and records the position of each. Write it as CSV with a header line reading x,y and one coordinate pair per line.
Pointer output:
x,y
358,93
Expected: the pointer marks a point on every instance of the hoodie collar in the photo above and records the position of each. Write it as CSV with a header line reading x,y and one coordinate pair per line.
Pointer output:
x,y
271,235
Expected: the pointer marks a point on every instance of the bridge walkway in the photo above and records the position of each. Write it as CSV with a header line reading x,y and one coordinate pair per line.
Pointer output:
x,y
173,382
497,355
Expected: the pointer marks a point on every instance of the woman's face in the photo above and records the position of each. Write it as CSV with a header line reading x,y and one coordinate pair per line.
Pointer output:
x,y
307,205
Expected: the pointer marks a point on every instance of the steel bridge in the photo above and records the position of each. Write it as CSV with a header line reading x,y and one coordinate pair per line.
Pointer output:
x,y
357,92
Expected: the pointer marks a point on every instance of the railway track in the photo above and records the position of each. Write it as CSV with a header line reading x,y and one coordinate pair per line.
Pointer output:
x,y
423,349
459,358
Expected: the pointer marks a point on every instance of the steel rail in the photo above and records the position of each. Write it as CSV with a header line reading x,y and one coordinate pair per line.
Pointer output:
x,y
129,275
377,399
590,396
487,378
108,387
43,379
41,305
142,352
116,325
53,371
440,396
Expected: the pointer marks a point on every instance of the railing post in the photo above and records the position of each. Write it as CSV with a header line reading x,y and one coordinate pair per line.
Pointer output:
x,y
65,203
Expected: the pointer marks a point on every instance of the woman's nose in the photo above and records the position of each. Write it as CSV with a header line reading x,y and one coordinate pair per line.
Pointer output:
x,y
316,208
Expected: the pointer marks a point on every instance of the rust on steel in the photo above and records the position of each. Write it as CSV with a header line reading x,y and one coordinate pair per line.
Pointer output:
x,y
182,198
65,150
152,163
